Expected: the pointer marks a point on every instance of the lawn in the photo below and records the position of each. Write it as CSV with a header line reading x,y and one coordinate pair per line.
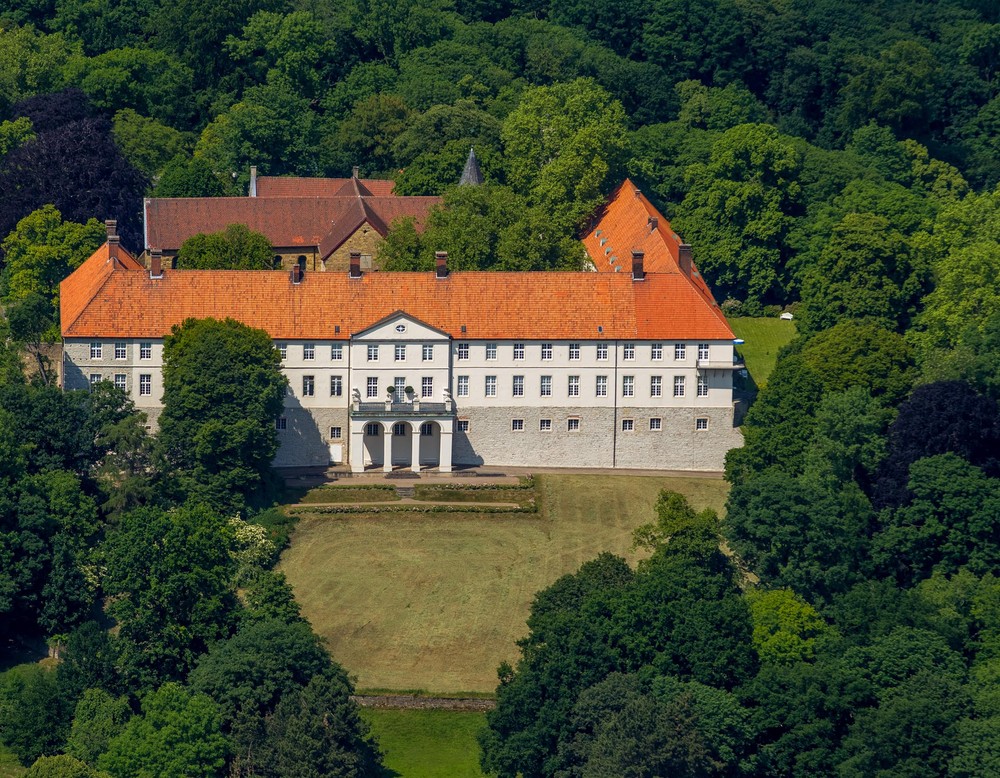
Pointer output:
x,y
764,337
11,768
428,743
436,601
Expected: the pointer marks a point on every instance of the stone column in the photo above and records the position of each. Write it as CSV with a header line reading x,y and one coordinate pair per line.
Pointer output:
x,y
387,448
444,459
415,447
357,452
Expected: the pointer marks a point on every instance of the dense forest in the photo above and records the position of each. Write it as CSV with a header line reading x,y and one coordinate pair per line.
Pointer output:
x,y
836,158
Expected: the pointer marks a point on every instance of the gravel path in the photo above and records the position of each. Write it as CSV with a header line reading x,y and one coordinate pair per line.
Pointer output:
x,y
413,702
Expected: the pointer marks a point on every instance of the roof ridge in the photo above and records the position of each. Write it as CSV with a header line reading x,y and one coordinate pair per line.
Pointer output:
x,y
110,261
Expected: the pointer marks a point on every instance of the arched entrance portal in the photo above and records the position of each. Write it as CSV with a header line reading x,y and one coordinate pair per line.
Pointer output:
x,y
399,443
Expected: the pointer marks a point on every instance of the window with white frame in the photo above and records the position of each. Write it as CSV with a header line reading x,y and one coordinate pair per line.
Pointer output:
x,y
545,425
680,351
281,423
337,351
463,350
517,425
573,386
518,351
426,386
283,351
701,424
145,384
309,351
399,352
121,349
96,350
702,352
308,385
678,386
574,351
601,388
372,386
518,388
145,351
462,387
373,429
655,424
656,351
427,352
336,386
628,386
463,425
628,351
702,386
120,381
491,351
545,387
546,351
491,386
655,386
372,352
628,425
399,387
95,379
602,350
572,425
336,433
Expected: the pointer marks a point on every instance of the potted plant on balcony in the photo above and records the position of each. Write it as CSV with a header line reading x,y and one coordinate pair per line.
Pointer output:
x,y
412,397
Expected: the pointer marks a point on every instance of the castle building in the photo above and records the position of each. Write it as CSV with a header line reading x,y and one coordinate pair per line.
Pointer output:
x,y
627,369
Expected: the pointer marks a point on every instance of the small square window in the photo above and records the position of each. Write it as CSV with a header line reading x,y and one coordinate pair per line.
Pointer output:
x,y
491,386
145,351
120,380
427,353
701,424
656,351
373,353
491,350
373,429
337,351
679,351
309,351
96,350
628,351
655,424
336,386
545,425
602,350
308,386
545,388
399,352
518,351
546,351
463,386
281,423
574,351
572,425
463,425
145,384
399,430
426,430
121,349
628,425
336,433
463,350
95,379
517,425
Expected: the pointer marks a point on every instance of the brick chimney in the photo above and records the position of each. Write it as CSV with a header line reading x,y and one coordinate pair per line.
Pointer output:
x,y
638,271
296,273
653,223
155,263
111,225
684,258
355,271
440,264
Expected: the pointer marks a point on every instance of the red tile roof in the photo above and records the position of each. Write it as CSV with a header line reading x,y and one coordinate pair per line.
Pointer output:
x,y
99,302
85,283
286,221
288,186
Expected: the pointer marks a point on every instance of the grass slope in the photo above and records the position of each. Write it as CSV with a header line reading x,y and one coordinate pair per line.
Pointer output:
x,y
437,601
764,337
428,743
9,766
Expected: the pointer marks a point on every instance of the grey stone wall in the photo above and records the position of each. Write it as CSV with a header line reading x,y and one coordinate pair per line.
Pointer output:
x,y
678,445
306,439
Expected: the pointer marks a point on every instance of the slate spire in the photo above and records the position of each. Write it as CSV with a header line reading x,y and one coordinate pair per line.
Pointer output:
x,y
471,175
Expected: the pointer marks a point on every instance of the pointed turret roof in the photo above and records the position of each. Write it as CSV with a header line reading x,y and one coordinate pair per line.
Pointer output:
x,y
471,175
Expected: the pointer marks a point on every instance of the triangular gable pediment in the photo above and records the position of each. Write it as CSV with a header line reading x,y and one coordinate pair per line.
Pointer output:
x,y
413,328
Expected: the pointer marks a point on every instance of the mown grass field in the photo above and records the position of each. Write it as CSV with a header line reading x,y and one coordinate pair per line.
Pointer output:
x,y
435,602
427,743
764,337
9,766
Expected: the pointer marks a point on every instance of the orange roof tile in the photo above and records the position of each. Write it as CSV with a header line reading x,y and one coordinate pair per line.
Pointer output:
x,y
84,283
98,303
290,186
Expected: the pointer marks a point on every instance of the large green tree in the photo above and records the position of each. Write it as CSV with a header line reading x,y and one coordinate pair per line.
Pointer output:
x,y
235,248
222,390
